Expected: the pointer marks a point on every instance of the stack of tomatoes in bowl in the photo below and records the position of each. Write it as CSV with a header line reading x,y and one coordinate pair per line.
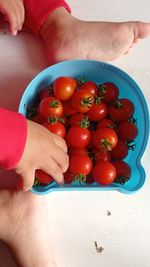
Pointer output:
x,y
97,124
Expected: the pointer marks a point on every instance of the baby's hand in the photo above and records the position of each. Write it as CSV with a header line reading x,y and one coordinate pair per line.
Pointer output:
x,y
43,150
14,13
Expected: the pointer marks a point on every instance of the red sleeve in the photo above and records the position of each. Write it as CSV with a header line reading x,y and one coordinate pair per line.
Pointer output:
x,y
13,133
37,11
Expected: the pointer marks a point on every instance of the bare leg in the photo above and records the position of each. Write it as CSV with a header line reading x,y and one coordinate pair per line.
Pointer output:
x,y
24,227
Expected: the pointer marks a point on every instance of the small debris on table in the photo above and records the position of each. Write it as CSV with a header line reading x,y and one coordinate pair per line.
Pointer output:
x,y
98,249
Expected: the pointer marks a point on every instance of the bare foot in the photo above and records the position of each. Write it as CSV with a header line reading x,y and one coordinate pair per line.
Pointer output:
x,y
66,37
24,227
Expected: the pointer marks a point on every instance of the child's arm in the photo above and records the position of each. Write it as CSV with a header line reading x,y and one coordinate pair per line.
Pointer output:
x,y
14,13
38,11
26,146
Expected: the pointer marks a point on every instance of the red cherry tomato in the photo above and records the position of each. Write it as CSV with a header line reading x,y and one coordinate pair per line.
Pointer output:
x,y
90,87
105,139
74,150
82,101
68,177
120,151
102,156
78,137
68,109
104,123
76,118
37,118
80,164
123,171
121,110
43,177
90,144
89,179
127,131
104,173
46,92
50,106
55,127
109,91
97,112
64,87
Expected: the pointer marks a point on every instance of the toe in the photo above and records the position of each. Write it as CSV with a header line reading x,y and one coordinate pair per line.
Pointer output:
x,y
141,30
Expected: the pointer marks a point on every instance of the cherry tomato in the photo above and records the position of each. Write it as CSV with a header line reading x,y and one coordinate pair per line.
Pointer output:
x,y
68,177
46,92
123,171
68,109
82,101
120,151
78,137
90,144
127,130
97,112
50,106
102,156
109,91
34,115
55,127
104,173
90,87
64,120
121,110
64,87
105,139
104,123
89,179
76,118
43,177
74,150
80,164
37,117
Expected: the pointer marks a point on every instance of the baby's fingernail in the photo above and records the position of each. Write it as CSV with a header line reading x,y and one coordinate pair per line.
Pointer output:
x,y
14,32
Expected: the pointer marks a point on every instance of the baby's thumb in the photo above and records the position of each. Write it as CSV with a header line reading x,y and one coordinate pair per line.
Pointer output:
x,y
28,179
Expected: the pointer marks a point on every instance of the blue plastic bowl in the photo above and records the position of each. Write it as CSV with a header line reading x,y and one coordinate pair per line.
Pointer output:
x,y
99,72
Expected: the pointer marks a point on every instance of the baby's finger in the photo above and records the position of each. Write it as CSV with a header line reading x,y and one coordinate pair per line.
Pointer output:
x,y
20,15
60,142
53,169
13,20
28,179
61,158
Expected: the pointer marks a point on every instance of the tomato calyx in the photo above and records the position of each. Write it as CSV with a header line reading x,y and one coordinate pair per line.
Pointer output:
x,y
106,144
87,101
84,123
81,178
53,119
54,103
121,179
133,120
102,88
81,80
36,183
117,104
97,100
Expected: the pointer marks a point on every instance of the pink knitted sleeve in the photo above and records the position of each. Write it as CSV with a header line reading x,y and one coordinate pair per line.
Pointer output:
x,y
13,132
37,11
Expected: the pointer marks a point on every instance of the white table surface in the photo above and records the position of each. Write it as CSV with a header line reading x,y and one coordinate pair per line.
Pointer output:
x,y
80,218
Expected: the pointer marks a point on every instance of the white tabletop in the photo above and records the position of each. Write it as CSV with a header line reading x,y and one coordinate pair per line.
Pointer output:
x,y
80,218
